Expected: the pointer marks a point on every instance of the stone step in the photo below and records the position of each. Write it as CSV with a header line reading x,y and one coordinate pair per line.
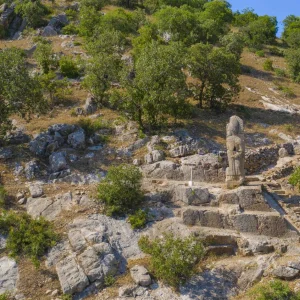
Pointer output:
x,y
253,183
256,222
251,178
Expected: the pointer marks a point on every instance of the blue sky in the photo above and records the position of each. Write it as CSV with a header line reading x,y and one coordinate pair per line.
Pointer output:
x,y
278,8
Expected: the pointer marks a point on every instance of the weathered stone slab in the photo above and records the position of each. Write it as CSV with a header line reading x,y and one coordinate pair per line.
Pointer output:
x,y
8,275
191,195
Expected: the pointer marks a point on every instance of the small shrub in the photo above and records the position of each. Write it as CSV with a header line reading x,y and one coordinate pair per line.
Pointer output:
x,y
289,127
2,196
27,236
280,72
68,67
260,53
268,65
71,14
273,290
70,29
66,297
109,280
91,126
4,296
138,219
276,51
173,260
295,178
121,189
286,91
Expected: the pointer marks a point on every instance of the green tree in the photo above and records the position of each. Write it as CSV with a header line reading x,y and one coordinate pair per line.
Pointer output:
x,y
68,67
244,18
101,71
156,87
293,60
233,43
20,93
215,20
180,23
291,33
173,260
32,11
261,31
121,189
44,56
89,19
53,88
217,72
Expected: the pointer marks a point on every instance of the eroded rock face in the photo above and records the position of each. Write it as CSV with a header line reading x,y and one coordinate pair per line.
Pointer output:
x,y
8,275
96,247
77,139
58,161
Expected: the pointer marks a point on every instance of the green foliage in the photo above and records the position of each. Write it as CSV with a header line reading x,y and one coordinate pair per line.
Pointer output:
x,y
109,280
97,4
276,51
101,71
121,189
32,11
19,92
273,290
268,65
124,21
55,90
155,88
280,72
138,219
217,71
68,67
70,29
261,31
233,43
244,18
4,296
66,297
71,14
291,32
27,236
91,126
260,53
2,196
295,178
173,260
286,91
44,56
89,18
293,61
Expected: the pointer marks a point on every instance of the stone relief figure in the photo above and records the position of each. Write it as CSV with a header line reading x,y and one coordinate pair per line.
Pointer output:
x,y
235,142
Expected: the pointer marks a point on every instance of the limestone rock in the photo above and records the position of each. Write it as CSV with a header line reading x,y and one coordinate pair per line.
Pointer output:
x,y
140,275
58,161
282,152
31,170
49,31
5,153
191,195
90,106
286,273
77,139
154,156
8,275
36,190
71,276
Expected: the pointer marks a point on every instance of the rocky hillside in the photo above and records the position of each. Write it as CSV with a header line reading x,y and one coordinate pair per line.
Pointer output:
x,y
71,109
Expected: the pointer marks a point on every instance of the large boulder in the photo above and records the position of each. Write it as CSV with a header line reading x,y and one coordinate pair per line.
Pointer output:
x,y
49,31
140,275
77,139
58,161
286,273
8,275
36,190
43,145
154,156
32,170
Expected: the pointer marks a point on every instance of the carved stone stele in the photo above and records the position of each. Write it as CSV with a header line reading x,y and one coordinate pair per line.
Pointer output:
x,y
235,142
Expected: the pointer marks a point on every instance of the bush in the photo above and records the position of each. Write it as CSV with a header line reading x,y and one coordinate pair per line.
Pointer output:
x,y
138,219
260,53
90,126
109,280
295,178
4,296
286,91
66,297
121,189
173,260
2,196
280,72
27,236
44,56
68,67
268,65
276,51
273,290
70,29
